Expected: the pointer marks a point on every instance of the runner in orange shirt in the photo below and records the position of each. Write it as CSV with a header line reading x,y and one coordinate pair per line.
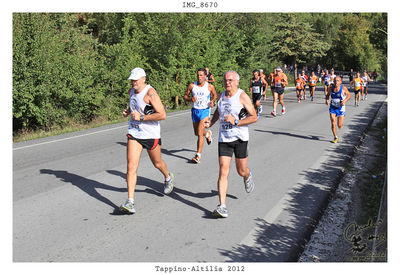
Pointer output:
x,y
299,87
280,81
312,83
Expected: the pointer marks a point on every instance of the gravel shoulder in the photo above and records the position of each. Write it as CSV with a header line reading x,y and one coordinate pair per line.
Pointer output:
x,y
347,232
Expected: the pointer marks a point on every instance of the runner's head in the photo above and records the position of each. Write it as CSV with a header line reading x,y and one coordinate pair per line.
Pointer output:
x,y
137,78
358,74
278,70
201,75
231,80
298,76
313,73
256,73
337,81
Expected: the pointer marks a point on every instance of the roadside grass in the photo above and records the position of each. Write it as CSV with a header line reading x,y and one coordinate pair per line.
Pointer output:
x,y
72,126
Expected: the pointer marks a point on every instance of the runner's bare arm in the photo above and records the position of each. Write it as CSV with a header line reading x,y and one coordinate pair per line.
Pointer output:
x,y
347,95
213,94
154,99
248,105
214,118
127,110
188,92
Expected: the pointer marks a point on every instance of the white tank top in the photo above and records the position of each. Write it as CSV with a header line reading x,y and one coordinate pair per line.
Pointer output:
x,y
202,95
231,106
144,129
365,78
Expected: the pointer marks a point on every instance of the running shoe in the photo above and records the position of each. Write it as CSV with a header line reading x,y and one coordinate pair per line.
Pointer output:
x,y
209,137
127,207
196,159
298,100
312,98
335,140
260,109
366,97
220,212
249,183
273,113
168,185
283,110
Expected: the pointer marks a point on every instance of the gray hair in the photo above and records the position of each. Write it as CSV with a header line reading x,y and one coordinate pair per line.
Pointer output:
x,y
234,72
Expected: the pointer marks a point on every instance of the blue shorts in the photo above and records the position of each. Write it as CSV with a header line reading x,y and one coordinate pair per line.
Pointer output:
x,y
337,111
200,114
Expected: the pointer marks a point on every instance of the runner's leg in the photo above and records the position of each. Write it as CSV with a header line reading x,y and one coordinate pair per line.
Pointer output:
x,y
134,150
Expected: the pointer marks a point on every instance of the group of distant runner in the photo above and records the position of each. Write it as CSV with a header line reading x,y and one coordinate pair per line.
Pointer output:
x,y
235,110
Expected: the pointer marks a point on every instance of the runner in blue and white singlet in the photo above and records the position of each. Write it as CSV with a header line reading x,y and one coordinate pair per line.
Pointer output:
x,y
202,94
339,95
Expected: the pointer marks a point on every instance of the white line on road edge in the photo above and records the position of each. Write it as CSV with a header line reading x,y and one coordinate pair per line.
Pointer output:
x,y
83,135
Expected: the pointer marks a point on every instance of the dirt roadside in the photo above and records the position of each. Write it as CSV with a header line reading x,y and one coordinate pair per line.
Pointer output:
x,y
353,227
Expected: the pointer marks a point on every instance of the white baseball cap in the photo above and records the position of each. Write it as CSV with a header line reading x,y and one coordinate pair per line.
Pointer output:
x,y
136,74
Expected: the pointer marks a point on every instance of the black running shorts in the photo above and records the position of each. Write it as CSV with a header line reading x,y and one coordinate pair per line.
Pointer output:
x,y
238,147
148,144
278,90
256,97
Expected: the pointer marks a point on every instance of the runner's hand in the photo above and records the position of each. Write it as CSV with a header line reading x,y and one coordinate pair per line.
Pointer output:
x,y
125,113
135,115
230,119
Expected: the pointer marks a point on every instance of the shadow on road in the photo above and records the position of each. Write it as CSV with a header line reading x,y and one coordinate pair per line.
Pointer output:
x,y
157,188
313,137
283,239
86,185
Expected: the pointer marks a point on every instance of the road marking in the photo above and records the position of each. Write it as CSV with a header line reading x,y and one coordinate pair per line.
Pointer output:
x,y
83,135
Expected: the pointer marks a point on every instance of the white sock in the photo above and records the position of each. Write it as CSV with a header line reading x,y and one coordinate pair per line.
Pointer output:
x,y
168,179
130,200
222,205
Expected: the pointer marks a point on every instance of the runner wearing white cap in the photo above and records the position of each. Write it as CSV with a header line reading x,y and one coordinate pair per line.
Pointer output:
x,y
145,110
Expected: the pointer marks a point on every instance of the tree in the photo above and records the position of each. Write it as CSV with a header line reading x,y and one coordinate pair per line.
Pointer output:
x,y
296,40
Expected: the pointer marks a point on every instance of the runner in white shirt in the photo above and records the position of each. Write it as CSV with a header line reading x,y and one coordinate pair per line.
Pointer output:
x,y
234,112
202,95
145,110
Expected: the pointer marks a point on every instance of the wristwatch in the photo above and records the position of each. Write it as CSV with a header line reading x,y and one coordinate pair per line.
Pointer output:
x,y
236,122
141,117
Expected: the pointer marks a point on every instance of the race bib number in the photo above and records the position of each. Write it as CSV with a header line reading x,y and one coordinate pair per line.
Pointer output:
x,y
298,85
358,84
278,84
226,126
313,81
200,102
256,89
135,125
336,102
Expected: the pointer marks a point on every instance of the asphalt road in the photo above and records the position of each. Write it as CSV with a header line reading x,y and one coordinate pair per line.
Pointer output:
x,y
67,189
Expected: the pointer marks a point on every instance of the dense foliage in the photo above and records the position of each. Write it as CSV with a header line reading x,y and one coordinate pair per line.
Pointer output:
x,y
74,67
